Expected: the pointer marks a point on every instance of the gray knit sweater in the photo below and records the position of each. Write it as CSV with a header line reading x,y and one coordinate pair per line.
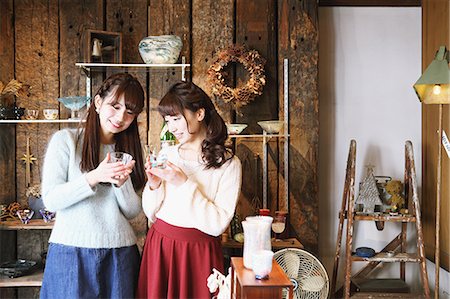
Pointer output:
x,y
86,217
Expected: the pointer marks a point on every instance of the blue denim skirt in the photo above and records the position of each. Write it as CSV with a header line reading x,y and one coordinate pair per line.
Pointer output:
x,y
74,272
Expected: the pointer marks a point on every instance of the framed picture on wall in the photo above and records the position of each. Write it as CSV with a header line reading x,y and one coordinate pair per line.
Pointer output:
x,y
102,46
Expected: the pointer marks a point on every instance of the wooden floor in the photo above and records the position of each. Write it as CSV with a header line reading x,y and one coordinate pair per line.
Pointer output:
x,y
385,295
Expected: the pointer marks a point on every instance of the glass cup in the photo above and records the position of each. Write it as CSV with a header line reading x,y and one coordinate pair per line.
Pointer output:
x,y
31,114
278,225
157,159
47,215
120,157
151,152
262,263
25,215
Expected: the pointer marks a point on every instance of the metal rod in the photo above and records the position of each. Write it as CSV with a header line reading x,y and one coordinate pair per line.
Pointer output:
x,y
438,208
265,169
286,130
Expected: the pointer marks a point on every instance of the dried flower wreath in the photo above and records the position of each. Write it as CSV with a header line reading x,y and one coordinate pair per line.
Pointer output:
x,y
253,63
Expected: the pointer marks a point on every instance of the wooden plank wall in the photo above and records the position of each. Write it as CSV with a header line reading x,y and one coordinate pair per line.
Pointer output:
x,y
46,38
298,41
435,33
7,134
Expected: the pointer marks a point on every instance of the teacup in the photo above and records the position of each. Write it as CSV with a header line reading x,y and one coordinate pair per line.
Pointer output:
x,y
31,114
51,114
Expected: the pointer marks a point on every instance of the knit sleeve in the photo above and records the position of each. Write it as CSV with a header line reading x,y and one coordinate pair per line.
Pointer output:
x,y
57,192
213,216
127,199
152,200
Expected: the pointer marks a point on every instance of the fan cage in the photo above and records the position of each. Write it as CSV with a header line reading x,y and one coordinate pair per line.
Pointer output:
x,y
306,272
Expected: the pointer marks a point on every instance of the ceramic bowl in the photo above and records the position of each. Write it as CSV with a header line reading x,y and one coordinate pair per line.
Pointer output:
x,y
51,113
235,129
271,126
162,49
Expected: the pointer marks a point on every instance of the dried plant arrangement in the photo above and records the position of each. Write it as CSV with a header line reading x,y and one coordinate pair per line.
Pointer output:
x,y
12,88
252,61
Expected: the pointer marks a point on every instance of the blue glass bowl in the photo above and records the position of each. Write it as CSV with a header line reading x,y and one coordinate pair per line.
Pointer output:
x,y
74,103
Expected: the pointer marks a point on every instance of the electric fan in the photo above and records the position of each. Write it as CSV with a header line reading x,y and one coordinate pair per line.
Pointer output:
x,y
305,271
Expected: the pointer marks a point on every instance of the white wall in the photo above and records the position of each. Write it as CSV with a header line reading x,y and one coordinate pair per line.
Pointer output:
x,y
369,58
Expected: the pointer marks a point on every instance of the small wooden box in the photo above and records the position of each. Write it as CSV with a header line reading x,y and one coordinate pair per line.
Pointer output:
x,y
102,46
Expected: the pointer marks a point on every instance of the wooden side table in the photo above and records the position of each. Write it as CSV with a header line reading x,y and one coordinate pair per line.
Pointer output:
x,y
244,285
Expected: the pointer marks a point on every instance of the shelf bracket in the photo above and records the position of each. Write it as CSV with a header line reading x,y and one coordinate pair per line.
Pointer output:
x,y
183,68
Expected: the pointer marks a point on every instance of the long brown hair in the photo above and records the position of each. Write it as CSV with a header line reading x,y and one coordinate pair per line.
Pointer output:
x,y
186,95
126,141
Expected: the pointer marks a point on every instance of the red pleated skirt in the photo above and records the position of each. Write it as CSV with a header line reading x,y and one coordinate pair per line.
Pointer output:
x,y
177,261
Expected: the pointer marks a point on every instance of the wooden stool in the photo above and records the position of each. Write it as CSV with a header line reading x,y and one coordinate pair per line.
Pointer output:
x,y
244,285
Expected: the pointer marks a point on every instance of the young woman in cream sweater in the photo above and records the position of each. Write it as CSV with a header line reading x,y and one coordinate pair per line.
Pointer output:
x,y
191,201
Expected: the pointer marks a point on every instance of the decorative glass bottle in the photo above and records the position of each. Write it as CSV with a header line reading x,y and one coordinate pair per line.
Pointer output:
x,y
166,137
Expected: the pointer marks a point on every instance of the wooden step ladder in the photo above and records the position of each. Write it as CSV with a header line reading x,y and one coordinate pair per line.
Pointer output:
x,y
397,245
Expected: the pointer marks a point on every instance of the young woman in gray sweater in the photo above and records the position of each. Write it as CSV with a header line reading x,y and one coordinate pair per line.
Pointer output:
x,y
92,251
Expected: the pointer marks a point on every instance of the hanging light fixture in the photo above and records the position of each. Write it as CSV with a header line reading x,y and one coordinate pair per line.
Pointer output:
x,y
433,88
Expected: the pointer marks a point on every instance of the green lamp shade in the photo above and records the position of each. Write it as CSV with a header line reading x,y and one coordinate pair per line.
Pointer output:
x,y
433,86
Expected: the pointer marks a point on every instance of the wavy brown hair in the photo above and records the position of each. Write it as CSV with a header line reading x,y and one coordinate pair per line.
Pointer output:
x,y
126,141
186,95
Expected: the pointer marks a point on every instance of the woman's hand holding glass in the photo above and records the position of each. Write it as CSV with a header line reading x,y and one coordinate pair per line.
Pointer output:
x,y
153,180
110,172
171,174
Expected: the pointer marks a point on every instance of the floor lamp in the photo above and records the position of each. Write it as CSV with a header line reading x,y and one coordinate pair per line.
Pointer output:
x,y
433,88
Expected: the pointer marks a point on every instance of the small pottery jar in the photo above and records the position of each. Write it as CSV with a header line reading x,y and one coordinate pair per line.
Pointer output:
x,y
163,49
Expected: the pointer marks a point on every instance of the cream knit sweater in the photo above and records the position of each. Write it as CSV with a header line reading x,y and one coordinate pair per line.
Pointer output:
x,y
206,201
85,217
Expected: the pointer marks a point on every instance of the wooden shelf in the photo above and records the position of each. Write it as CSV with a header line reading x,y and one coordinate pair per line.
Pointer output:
x,y
131,65
386,258
257,135
386,217
18,225
276,245
136,67
35,121
32,280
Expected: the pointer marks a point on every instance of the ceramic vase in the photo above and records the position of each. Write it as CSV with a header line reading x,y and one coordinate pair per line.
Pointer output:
x,y
162,49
